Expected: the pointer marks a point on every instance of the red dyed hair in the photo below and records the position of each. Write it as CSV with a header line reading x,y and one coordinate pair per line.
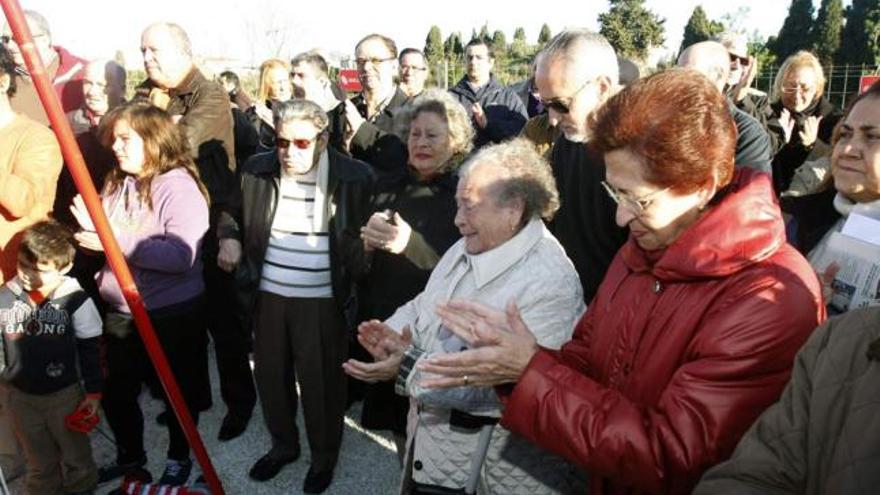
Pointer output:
x,y
678,123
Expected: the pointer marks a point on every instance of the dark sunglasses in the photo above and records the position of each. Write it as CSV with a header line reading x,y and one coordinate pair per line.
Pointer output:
x,y
302,144
563,105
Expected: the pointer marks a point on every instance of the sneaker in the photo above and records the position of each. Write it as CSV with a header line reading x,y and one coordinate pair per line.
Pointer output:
x,y
176,472
116,470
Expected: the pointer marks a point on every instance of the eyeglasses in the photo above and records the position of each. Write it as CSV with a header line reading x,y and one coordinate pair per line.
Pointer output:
x,y
7,39
563,105
412,68
302,144
794,88
362,62
636,205
742,60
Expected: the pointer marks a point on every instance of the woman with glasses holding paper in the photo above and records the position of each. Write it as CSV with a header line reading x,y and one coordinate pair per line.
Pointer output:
x,y
692,332
800,119
833,225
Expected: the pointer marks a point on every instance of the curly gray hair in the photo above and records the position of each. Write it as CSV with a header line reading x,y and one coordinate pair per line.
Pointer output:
x,y
441,103
526,178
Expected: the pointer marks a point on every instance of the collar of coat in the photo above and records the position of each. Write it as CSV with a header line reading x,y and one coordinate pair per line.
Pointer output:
x,y
745,227
190,83
488,265
464,88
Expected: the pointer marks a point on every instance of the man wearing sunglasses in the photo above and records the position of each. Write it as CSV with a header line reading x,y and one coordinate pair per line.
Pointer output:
x,y
576,72
63,68
302,208
496,110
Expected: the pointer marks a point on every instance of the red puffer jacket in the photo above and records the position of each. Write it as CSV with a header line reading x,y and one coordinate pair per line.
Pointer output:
x,y
671,363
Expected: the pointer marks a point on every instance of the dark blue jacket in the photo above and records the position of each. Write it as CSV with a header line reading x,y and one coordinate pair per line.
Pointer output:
x,y
505,112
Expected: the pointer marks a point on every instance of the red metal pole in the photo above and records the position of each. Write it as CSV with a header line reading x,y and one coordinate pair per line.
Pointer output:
x,y
75,163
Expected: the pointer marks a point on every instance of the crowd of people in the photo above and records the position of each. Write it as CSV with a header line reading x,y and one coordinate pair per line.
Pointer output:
x,y
587,282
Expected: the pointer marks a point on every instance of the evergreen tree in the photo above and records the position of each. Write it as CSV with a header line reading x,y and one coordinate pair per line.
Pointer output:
x,y
544,36
827,30
484,33
699,28
860,42
794,34
499,43
434,44
631,28
473,35
519,47
453,46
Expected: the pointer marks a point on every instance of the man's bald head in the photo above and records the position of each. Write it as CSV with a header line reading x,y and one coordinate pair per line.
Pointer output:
x,y
710,58
167,54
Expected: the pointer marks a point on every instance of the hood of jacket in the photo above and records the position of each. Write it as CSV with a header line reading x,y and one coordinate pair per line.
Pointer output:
x,y
743,228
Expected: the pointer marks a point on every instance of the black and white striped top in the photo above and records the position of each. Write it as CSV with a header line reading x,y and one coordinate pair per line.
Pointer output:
x,y
297,262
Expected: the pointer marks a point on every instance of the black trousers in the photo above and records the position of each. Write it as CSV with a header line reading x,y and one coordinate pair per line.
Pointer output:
x,y
181,333
232,341
305,341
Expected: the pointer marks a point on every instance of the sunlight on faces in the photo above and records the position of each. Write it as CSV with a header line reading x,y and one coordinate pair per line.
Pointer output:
x,y
42,42
557,79
429,143
307,82
299,161
100,90
799,89
43,276
280,88
482,222
855,160
377,74
666,214
479,63
128,146
165,62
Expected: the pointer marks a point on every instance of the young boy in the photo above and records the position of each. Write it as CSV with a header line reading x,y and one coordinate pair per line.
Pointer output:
x,y
50,330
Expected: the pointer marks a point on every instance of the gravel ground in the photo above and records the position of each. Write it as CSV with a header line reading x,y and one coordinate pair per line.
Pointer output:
x,y
367,463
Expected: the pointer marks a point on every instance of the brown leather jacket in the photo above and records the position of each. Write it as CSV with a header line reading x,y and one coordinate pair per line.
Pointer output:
x,y
207,123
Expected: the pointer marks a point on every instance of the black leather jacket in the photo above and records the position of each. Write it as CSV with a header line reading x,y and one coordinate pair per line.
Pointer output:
x,y
350,190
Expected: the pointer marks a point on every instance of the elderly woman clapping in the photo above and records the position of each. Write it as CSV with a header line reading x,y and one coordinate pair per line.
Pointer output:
x,y
413,225
695,326
506,254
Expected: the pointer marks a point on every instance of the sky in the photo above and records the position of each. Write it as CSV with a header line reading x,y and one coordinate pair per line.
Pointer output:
x,y
254,29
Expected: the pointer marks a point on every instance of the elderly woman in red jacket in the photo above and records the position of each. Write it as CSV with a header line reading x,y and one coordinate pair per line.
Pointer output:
x,y
693,330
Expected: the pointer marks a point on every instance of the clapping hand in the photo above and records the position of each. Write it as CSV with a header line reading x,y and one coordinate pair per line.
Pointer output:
x,y
387,348
502,346
87,238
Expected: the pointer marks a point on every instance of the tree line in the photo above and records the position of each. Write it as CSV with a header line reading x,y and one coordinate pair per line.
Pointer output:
x,y
837,35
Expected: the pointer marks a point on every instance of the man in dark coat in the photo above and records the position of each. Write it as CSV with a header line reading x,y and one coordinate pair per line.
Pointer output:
x,y
302,209
497,111
370,114
753,148
575,73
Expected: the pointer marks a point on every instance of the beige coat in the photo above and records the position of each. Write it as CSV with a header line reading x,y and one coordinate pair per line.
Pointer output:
x,y
30,161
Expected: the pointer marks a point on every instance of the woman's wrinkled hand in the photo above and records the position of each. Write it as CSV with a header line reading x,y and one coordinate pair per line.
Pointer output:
x,y
502,346
387,348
